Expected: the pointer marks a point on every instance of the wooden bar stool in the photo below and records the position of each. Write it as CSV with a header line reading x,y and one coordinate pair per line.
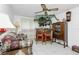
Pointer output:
x,y
47,35
39,36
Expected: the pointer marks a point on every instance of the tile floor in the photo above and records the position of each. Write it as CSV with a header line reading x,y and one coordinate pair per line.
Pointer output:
x,y
51,49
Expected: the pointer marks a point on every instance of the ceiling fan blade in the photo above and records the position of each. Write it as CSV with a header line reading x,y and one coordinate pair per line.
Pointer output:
x,y
44,7
39,12
54,9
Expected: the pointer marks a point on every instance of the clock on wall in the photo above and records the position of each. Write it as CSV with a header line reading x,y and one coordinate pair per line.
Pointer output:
x,y
68,16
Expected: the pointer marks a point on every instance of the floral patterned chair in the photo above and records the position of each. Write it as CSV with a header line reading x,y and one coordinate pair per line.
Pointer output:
x,y
13,41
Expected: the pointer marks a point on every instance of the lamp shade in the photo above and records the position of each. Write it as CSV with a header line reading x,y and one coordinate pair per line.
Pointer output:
x,y
5,21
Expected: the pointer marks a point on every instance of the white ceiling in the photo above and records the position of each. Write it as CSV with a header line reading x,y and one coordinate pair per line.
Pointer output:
x,y
29,9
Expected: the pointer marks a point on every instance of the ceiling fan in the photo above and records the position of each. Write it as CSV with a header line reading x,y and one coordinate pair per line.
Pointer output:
x,y
45,9
46,20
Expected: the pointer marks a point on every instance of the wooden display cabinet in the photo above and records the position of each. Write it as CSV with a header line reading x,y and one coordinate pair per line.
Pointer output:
x,y
59,31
